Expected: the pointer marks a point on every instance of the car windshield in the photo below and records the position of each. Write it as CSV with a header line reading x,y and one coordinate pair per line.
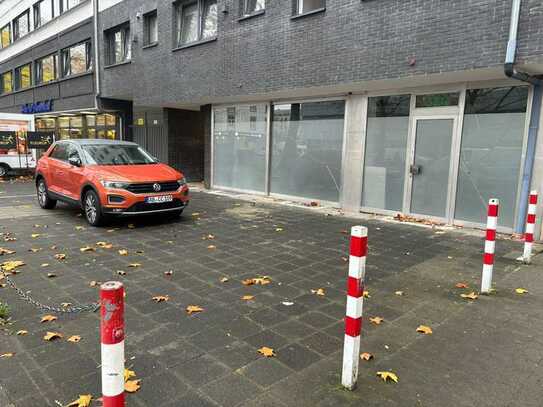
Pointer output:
x,y
116,154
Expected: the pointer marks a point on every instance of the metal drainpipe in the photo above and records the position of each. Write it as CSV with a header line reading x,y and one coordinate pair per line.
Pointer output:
x,y
511,72
96,56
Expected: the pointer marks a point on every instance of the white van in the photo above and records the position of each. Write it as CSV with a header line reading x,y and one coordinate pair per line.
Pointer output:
x,y
12,161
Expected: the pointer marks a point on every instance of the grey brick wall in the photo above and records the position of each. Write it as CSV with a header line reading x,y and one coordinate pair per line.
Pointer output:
x,y
351,41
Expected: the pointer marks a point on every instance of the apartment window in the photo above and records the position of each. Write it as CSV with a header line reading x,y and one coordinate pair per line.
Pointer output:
x,y
21,25
118,44
307,6
5,36
46,69
196,21
150,28
76,59
7,82
253,6
65,5
23,77
43,12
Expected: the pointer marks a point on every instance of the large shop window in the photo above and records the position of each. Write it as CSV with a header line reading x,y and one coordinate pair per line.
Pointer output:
x,y
5,36
239,147
76,59
23,77
491,151
196,21
307,145
118,44
102,126
21,25
386,143
46,69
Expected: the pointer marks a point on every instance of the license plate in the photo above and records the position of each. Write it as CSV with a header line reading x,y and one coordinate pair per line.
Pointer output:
x,y
159,199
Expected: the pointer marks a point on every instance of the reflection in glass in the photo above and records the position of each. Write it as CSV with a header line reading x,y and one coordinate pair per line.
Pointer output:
x,y
253,6
209,23
307,143
188,32
438,100
386,143
240,147
491,152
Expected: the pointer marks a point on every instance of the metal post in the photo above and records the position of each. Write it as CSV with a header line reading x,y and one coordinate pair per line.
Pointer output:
x,y
490,245
530,228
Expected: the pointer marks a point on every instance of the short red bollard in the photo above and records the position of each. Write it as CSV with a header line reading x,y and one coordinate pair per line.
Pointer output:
x,y
490,245
530,228
112,338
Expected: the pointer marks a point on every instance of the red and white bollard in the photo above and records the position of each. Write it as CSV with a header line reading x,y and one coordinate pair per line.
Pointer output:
x,y
355,295
490,245
112,338
530,228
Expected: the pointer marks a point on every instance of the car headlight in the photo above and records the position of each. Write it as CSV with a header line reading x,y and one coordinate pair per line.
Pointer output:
x,y
114,184
182,181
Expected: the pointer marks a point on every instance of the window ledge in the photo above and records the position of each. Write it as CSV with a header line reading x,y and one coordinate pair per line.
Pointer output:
x,y
118,64
248,16
151,45
195,43
309,13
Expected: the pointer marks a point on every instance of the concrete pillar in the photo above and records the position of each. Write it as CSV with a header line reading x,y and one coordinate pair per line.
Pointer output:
x,y
537,179
355,136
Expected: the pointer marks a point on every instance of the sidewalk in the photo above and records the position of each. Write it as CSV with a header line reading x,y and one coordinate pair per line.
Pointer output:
x,y
485,352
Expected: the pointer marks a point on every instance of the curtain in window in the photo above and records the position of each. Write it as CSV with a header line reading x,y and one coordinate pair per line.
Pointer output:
x,y
209,19
188,31
252,6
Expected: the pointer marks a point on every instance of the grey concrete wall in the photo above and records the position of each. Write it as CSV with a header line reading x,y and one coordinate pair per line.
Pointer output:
x,y
67,93
351,41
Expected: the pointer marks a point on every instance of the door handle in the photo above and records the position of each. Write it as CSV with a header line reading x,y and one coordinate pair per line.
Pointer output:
x,y
415,169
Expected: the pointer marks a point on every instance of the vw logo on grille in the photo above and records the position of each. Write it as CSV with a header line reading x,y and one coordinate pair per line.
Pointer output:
x,y
157,187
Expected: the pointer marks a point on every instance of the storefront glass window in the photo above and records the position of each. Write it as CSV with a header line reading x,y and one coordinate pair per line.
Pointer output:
x,y
240,147
386,143
81,126
307,144
91,120
490,155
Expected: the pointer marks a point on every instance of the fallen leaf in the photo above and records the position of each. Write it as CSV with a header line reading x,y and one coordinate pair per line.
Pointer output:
x,y
87,249
35,235
128,374
388,375
248,281
208,237
193,308
123,252
84,400
376,320
521,291
366,356
21,332
168,273
278,229
44,265
195,213
51,275
366,294
121,272
262,280
287,303
11,265
247,297
48,318
470,296
65,304
34,250
161,298
7,355
5,251
131,226
318,291
49,336
79,228
461,285
211,247
132,386
104,245
345,259
60,256
400,293
74,338
268,352
134,265
423,329
94,283
224,279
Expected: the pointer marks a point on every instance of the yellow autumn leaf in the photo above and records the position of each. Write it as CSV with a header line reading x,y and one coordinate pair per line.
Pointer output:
x,y
376,320
318,291
262,280
87,249
84,400
7,355
193,308
248,281
224,279
521,291
470,296
423,329
21,332
247,297
161,298
11,265
366,356
278,229
74,338
60,256
399,293
268,352
208,237
123,252
44,265
366,294
134,265
49,336
128,374
104,245
388,376
48,318
35,235
211,247
5,251
132,386
195,214
34,250
65,304
79,228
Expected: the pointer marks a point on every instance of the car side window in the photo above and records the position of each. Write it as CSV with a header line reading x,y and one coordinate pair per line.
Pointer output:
x,y
72,152
60,152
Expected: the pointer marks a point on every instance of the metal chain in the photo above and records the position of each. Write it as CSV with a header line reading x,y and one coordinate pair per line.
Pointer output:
x,y
66,310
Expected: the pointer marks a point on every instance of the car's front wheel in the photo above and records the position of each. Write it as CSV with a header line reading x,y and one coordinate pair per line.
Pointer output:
x,y
43,196
93,209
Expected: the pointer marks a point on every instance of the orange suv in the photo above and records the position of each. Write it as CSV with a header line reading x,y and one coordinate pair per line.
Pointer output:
x,y
107,177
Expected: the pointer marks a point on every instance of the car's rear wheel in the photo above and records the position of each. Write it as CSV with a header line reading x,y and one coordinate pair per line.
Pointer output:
x,y
43,196
3,170
93,209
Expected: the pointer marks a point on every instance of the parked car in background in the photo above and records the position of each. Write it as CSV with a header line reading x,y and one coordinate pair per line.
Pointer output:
x,y
108,177
10,160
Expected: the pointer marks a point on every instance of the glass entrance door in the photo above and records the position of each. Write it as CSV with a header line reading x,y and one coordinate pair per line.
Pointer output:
x,y
430,168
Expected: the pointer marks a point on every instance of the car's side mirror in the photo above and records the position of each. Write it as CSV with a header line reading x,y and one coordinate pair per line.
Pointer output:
x,y
75,161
